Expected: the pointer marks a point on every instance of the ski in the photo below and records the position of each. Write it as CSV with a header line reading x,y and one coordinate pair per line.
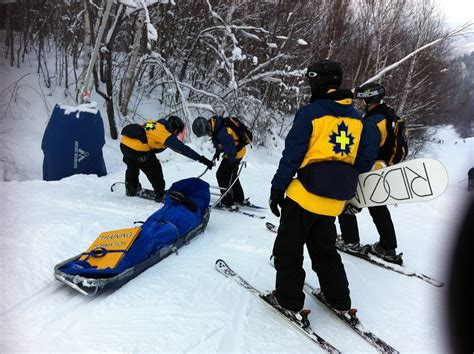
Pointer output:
x,y
371,258
251,205
353,322
225,270
238,211
143,193
271,227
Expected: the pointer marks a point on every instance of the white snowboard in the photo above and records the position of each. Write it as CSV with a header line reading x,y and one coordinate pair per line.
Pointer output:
x,y
415,180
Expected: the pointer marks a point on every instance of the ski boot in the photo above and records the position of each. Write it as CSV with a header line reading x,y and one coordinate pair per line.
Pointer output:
x,y
159,195
355,247
159,199
301,317
231,207
340,242
131,190
388,255
245,202
347,315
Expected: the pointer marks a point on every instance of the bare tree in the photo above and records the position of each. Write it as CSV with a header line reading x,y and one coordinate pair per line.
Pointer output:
x,y
128,81
245,58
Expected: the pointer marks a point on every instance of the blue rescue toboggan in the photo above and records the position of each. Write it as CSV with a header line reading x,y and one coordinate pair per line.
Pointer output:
x,y
165,231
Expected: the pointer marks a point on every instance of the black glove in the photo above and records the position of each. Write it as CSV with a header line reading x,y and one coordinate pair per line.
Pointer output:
x,y
216,156
209,164
351,209
276,200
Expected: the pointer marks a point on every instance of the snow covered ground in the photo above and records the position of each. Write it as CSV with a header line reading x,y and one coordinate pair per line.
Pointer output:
x,y
183,304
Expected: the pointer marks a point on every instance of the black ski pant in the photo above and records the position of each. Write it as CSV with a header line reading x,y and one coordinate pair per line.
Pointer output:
x,y
297,228
226,175
147,162
383,223
349,228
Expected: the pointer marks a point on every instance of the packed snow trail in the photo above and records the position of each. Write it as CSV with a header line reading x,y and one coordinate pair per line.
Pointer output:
x,y
181,303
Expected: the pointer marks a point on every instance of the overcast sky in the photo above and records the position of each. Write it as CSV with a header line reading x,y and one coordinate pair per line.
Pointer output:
x,y
457,12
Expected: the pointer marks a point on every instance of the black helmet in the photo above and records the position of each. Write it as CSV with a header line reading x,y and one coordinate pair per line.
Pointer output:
x,y
201,127
323,75
371,93
176,123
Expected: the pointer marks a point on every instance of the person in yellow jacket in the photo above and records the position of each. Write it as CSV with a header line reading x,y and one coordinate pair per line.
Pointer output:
x,y
227,142
139,145
372,95
326,150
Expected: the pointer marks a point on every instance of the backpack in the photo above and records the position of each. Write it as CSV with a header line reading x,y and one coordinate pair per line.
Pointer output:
x,y
243,133
135,131
395,148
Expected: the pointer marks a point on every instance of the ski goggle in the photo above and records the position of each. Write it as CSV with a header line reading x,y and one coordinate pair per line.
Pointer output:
x,y
369,93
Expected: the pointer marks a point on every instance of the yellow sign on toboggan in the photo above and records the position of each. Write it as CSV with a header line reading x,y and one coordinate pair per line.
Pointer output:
x,y
110,247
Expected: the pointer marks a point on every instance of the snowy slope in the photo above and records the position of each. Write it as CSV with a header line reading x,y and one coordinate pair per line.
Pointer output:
x,y
182,304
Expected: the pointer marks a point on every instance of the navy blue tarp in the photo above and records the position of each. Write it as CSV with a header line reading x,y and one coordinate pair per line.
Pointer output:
x,y
163,228
72,143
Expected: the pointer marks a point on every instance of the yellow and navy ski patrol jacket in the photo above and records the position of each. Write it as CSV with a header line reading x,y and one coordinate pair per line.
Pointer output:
x,y
378,116
328,146
226,140
159,136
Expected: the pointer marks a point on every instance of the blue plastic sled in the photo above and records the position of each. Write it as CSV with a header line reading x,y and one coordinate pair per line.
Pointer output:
x,y
165,231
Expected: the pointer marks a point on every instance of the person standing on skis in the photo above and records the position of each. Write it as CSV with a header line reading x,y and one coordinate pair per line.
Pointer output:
x,y
227,141
387,142
139,145
325,149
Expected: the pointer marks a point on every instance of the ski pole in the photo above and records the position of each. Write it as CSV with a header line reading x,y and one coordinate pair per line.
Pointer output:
x,y
202,174
242,165
215,187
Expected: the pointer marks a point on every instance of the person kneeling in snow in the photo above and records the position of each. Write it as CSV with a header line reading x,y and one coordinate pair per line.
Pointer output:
x,y
139,145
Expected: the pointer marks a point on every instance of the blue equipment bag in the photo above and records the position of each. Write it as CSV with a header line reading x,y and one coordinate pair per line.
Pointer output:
x,y
72,142
163,233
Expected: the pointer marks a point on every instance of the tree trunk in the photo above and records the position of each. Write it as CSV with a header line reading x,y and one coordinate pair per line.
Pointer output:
x,y
408,81
128,82
87,48
110,96
11,35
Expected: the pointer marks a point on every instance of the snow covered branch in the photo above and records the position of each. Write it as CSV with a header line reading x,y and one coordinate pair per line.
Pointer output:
x,y
457,32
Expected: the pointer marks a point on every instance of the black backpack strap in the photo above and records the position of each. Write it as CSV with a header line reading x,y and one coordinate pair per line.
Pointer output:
x,y
395,148
234,124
